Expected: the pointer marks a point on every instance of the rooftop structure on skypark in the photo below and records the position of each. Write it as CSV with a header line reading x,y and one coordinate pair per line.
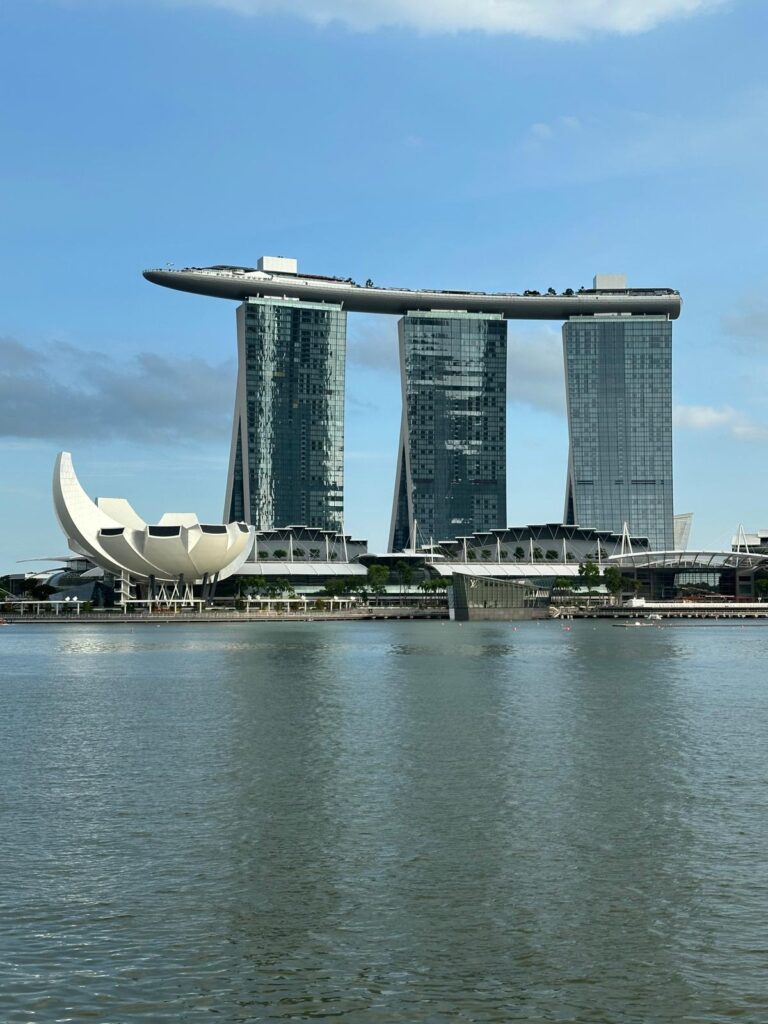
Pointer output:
x,y
279,278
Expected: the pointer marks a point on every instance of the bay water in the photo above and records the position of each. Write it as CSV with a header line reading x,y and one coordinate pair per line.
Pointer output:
x,y
384,822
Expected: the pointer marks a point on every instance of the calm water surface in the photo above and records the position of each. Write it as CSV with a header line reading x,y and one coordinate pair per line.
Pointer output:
x,y
383,822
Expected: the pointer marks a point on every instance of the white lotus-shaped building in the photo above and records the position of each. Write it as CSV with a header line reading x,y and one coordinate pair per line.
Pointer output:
x,y
116,538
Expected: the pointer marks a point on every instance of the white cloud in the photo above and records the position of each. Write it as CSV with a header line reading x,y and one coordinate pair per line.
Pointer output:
x,y
621,143
62,392
702,417
751,324
535,375
724,419
549,19
372,343
541,131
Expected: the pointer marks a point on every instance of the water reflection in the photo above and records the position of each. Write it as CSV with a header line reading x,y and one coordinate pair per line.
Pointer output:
x,y
394,822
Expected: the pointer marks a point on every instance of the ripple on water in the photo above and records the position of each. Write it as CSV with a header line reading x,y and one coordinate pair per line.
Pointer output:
x,y
383,822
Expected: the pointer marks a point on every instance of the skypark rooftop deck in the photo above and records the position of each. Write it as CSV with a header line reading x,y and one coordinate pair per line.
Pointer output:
x,y
238,283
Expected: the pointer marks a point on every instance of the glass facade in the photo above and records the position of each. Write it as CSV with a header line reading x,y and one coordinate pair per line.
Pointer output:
x,y
451,477
618,372
287,456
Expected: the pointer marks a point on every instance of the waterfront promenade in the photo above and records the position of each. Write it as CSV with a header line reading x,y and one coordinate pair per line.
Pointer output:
x,y
709,611
672,610
364,614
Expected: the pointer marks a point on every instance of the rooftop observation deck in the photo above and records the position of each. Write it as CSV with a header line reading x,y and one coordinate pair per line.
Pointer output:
x,y
238,283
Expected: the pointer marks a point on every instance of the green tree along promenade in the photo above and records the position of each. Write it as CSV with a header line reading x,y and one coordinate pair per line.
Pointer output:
x,y
590,573
614,581
378,575
404,575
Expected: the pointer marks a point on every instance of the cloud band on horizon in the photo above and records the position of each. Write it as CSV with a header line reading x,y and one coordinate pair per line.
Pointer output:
x,y
545,19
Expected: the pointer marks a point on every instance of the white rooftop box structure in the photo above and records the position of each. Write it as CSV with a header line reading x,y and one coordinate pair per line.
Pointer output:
x,y
609,282
278,265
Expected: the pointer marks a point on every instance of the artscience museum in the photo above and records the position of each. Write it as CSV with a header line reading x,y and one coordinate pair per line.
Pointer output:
x,y
164,561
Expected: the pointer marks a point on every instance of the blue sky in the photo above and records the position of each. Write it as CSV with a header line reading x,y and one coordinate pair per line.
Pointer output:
x,y
498,146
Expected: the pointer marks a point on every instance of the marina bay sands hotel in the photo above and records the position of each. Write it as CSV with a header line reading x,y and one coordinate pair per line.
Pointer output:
x,y
287,457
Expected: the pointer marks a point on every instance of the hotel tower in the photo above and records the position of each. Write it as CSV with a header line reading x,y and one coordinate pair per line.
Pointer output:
x,y
451,475
618,374
286,461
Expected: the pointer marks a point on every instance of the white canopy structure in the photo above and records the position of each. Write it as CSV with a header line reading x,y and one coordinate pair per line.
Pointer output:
x,y
114,536
693,561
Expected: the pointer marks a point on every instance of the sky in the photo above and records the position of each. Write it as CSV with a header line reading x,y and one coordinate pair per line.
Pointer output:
x,y
497,145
